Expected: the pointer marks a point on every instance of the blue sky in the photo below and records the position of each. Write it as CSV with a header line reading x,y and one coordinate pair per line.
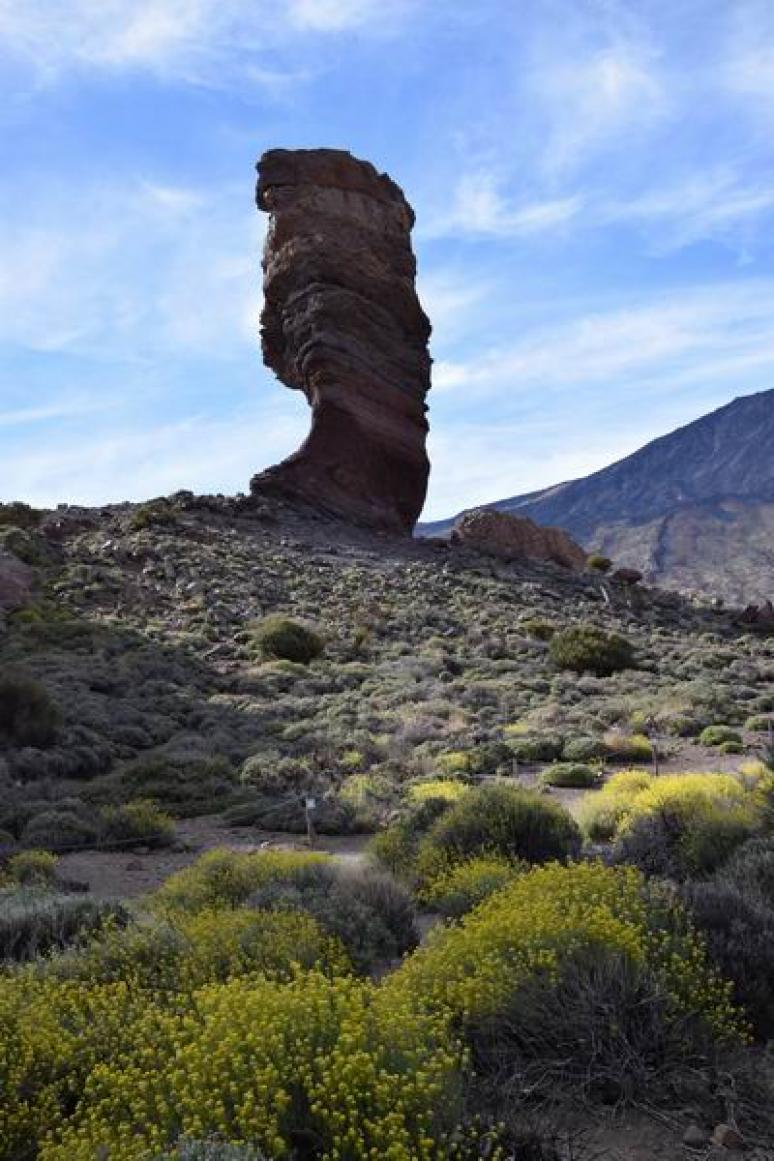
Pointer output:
x,y
594,188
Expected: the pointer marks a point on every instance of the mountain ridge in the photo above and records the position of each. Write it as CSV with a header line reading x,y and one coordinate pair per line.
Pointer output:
x,y
693,508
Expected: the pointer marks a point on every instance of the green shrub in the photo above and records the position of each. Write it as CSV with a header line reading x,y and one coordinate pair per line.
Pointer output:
x,y
372,797
180,952
504,820
570,774
331,814
223,878
538,628
628,747
141,822
19,515
28,716
467,884
368,912
29,868
738,931
717,735
583,750
395,849
60,828
153,514
751,868
598,563
731,748
35,922
588,648
759,723
680,842
185,784
281,638
536,749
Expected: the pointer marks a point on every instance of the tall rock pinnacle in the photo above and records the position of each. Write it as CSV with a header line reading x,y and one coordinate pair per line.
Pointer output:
x,y
342,322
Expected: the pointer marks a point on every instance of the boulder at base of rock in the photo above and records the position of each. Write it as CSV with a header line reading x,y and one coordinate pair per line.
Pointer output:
x,y
16,581
342,322
516,538
627,576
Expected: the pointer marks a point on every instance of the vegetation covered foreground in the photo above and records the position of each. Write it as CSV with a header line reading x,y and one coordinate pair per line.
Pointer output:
x,y
230,1008
191,659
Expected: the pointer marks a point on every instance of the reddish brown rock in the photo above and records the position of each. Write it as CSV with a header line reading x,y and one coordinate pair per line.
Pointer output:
x,y
516,538
627,576
342,323
16,581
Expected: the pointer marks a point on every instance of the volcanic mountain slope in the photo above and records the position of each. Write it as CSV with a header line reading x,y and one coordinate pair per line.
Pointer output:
x,y
692,510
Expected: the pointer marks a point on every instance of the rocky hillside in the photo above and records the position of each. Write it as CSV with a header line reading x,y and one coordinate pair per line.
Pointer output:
x,y
140,629
692,510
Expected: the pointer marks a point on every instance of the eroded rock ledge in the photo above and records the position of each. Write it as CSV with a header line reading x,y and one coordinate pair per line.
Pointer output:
x,y
342,323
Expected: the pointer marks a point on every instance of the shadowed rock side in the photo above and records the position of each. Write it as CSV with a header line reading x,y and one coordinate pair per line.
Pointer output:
x,y
342,323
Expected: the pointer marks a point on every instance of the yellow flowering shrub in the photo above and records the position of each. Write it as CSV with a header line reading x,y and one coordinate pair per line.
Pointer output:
x,y
634,793
455,762
226,878
530,928
187,951
30,867
461,886
52,1035
259,1061
64,1020
449,789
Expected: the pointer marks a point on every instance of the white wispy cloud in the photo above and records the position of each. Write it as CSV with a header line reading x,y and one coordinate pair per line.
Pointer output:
x,y
702,334
123,271
99,463
24,416
589,98
191,40
717,204
480,207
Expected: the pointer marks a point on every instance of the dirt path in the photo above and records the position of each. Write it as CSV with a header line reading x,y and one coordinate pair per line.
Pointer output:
x,y
116,875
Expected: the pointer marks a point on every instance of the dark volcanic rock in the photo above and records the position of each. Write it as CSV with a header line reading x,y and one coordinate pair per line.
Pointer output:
x,y
342,323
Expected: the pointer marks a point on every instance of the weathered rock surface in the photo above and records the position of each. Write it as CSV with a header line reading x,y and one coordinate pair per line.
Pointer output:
x,y
16,582
516,538
342,323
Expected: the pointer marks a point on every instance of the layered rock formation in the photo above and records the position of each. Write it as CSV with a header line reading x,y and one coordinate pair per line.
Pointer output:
x,y
516,538
342,323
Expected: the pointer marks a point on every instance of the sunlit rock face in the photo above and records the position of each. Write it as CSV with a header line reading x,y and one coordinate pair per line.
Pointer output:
x,y
342,322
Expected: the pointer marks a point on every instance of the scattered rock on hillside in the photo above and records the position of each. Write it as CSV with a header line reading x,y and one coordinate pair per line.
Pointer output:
x,y
627,576
342,323
516,538
759,615
16,582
